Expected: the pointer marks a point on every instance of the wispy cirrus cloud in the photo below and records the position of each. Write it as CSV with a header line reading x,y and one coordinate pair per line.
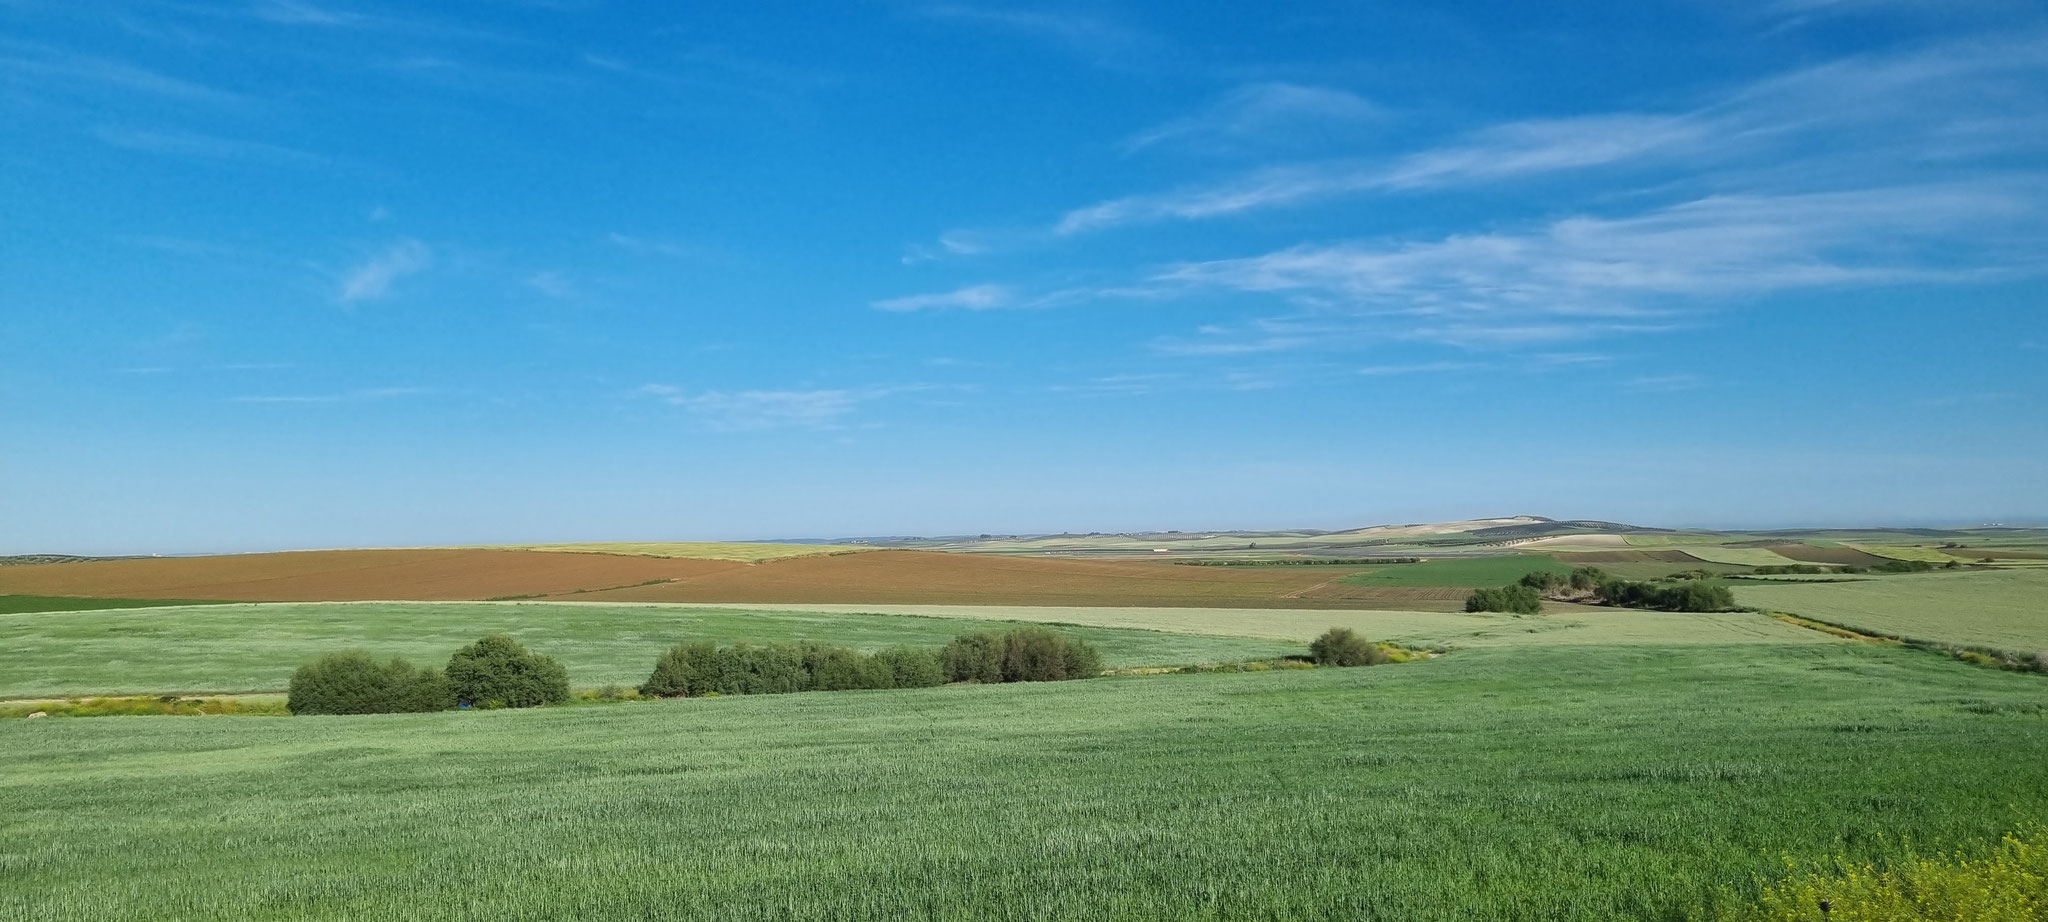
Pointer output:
x,y
207,147
56,70
1870,115
373,279
972,298
753,410
1585,276
1258,113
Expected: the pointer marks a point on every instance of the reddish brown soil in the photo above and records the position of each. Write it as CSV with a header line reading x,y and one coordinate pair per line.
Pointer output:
x,y
928,577
312,576
1847,556
900,577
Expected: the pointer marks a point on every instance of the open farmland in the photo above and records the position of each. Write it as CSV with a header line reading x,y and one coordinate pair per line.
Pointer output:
x,y
1515,783
1561,624
231,648
1906,552
1738,556
1467,572
313,576
870,576
2001,609
698,550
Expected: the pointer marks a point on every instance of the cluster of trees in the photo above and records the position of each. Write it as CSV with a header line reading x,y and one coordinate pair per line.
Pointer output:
x,y
1591,584
494,672
1517,598
1688,596
695,669
1026,654
699,668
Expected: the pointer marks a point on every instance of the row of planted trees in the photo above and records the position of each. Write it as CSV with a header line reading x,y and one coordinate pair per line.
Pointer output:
x,y
498,672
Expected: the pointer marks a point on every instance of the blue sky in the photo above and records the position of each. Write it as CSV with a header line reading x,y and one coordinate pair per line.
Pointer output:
x,y
293,274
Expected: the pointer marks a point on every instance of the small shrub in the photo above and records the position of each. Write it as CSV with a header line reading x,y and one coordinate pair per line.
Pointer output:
x,y
497,671
1340,646
352,683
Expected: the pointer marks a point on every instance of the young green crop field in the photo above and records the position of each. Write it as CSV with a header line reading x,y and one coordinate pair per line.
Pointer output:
x,y
1560,625
2003,609
255,647
1459,571
16,604
1554,783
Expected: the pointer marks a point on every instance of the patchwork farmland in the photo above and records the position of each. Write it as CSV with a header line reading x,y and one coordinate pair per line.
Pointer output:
x,y
1585,762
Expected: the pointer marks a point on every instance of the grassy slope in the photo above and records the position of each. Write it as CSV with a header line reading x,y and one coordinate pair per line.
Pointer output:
x,y
2007,609
1460,571
255,647
1509,784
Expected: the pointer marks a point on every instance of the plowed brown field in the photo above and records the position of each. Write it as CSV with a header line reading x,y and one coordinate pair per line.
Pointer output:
x,y
938,578
319,576
882,576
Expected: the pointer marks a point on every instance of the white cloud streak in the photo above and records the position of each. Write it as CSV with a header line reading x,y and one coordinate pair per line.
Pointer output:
x,y
373,279
754,410
1890,112
1257,113
972,298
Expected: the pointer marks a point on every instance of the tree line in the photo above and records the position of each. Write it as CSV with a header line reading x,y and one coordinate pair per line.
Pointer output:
x,y
498,672
1591,585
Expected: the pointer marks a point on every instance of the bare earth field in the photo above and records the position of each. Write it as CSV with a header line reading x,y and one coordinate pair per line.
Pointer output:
x,y
340,576
883,576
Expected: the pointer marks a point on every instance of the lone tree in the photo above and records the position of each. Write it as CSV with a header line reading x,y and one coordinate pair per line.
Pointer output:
x,y
1341,646
497,672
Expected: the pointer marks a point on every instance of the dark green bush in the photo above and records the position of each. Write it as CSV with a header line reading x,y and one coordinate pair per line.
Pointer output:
x,y
914,667
1585,578
1341,646
498,671
844,669
1692,596
1544,580
1518,598
352,683
974,658
1034,654
683,670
